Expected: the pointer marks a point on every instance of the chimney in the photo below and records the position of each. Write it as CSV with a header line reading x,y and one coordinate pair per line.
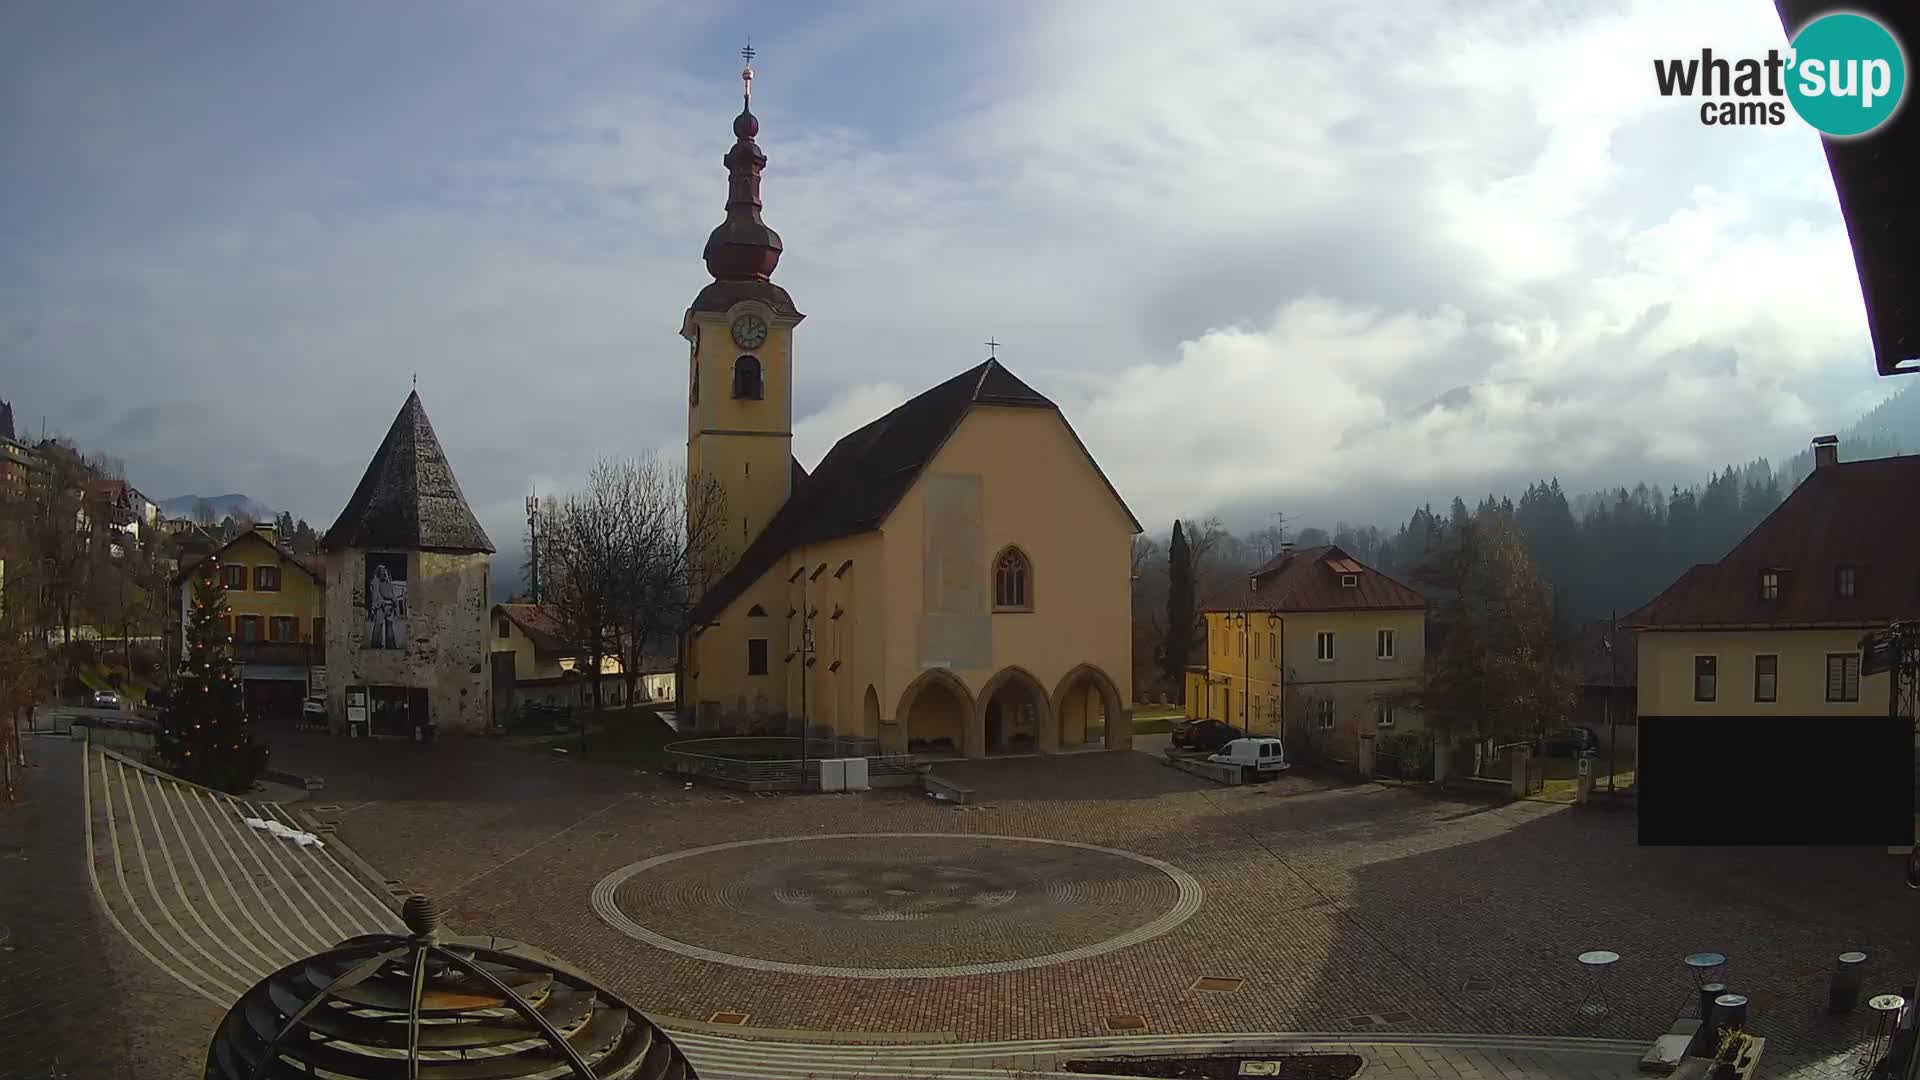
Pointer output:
x,y
267,532
1826,451
1286,547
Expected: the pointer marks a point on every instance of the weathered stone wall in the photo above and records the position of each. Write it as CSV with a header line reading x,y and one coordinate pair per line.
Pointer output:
x,y
447,644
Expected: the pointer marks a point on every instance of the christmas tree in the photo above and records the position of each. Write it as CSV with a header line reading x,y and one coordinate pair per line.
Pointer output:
x,y
204,734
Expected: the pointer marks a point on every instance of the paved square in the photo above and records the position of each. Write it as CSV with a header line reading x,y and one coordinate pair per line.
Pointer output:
x,y
1326,901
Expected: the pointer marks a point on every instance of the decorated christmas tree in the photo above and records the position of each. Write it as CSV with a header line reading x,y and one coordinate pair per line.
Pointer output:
x,y
204,734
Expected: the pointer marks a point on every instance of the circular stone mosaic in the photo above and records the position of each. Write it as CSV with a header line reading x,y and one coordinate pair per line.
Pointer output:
x,y
896,905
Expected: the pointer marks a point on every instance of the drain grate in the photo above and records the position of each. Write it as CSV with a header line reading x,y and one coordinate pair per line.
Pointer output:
x,y
727,1017
1218,984
328,808
1358,1022
1126,1022
1398,1016
328,827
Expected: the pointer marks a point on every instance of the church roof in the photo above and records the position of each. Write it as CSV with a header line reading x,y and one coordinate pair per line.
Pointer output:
x,y
408,497
867,472
1314,579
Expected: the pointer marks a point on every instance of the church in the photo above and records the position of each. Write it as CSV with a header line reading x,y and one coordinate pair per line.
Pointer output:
x,y
954,578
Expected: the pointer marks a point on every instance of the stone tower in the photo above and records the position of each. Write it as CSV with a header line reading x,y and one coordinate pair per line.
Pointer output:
x,y
740,370
406,600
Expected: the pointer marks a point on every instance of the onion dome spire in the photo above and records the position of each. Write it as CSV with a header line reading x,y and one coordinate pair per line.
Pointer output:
x,y
743,248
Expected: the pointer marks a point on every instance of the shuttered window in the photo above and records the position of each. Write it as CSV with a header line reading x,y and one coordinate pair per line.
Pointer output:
x,y
1843,676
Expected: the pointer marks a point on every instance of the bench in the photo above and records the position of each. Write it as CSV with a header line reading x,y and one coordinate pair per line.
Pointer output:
x,y
946,790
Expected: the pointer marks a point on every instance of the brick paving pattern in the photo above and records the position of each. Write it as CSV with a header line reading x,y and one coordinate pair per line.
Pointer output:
x,y
1330,902
75,999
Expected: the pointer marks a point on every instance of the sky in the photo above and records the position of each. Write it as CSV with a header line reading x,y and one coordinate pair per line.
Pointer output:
x,y
1320,258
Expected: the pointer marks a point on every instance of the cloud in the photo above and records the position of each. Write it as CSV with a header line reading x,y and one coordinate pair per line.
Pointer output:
x,y
1319,253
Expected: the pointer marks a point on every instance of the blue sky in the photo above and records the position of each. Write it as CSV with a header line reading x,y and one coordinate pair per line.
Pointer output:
x,y
1246,249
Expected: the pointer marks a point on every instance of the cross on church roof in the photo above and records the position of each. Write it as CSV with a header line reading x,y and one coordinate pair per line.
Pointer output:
x,y
992,349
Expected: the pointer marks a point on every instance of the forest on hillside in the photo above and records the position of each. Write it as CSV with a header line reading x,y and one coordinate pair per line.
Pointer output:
x,y
1601,552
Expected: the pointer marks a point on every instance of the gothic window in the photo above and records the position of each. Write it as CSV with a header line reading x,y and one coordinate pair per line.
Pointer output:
x,y
1012,581
746,379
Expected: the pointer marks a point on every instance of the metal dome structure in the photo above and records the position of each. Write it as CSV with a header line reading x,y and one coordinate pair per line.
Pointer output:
x,y
430,1006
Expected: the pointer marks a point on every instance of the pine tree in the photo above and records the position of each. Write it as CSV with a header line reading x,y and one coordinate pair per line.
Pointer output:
x,y
204,733
1180,609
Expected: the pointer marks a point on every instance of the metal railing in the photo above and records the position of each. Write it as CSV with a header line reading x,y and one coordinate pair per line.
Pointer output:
x,y
772,763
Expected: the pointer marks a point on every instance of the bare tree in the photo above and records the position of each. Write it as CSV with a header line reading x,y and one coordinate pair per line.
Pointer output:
x,y
203,514
580,548
678,542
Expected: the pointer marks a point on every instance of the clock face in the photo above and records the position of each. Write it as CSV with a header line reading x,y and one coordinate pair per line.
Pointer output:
x,y
749,331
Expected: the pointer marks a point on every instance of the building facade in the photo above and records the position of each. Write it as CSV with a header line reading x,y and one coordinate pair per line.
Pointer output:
x,y
953,578
407,611
276,616
1774,629
1307,650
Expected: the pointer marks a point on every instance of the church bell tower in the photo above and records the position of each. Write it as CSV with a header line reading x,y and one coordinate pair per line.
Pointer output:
x,y
739,331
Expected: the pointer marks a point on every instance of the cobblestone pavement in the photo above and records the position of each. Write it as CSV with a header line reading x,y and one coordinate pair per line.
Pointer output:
x,y
1359,913
1341,909
76,1000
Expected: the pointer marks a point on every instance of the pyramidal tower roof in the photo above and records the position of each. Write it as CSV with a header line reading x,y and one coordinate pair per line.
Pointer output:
x,y
408,497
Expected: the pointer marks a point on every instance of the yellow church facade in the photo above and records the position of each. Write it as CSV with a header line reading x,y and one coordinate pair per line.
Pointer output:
x,y
952,578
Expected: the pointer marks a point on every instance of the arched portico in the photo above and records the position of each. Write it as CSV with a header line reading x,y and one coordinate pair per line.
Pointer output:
x,y
870,714
1090,710
1013,716
935,713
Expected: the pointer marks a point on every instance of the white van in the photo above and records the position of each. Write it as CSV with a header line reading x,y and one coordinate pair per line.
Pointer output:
x,y
1256,757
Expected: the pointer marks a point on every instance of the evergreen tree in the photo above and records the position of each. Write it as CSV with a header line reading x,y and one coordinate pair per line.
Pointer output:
x,y
204,733
1180,609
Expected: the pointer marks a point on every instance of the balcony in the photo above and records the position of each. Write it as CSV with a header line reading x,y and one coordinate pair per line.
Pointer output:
x,y
280,653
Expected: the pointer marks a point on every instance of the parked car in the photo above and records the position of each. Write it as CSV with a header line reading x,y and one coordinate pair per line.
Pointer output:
x,y
1260,756
1568,742
106,699
1206,735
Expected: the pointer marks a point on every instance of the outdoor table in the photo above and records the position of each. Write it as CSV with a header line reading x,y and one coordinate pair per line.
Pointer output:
x,y
1886,1009
1596,962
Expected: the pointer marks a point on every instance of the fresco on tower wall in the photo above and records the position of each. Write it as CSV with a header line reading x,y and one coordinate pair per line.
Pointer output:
x,y
386,601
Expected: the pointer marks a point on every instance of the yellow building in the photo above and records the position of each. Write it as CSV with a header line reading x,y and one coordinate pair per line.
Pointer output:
x,y
276,614
1774,628
1307,648
954,577
533,660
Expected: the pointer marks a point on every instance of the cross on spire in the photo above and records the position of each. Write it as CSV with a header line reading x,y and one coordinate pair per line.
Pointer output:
x,y
993,348
746,73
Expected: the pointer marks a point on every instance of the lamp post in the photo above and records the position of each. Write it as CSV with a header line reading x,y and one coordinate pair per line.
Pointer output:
x,y
1613,677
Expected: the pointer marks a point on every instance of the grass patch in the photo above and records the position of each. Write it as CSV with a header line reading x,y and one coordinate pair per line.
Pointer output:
x,y
627,738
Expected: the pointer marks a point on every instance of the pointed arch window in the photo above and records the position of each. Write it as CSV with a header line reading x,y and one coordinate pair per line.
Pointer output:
x,y
1012,581
747,384
757,612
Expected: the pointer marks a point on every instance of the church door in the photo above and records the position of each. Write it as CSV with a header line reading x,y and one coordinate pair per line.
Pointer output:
x,y
994,725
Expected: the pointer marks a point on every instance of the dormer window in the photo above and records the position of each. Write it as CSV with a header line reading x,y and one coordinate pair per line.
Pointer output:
x,y
1845,580
746,379
1769,584
1349,581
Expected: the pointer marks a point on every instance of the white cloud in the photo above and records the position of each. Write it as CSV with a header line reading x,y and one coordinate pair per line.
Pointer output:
x,y
1246,246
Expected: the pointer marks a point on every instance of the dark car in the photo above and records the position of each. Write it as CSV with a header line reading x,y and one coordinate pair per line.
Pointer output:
x,y
1207,735
1568,742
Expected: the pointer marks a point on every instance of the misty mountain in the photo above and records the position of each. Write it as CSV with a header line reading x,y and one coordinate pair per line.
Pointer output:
x,y
223,506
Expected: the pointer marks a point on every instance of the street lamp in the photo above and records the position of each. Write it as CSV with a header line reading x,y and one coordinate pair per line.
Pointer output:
x,y
1613,741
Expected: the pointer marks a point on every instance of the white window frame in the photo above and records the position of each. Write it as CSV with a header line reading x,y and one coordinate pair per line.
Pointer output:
x,y
1386,636
1775,699
1324,648
1848,662
1383,716
1325,715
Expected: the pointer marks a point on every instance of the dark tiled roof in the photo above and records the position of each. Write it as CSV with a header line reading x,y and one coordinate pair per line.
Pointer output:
x,y
408,497
1863,514
540,623
721,295
1873,176
867,472
1309,580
